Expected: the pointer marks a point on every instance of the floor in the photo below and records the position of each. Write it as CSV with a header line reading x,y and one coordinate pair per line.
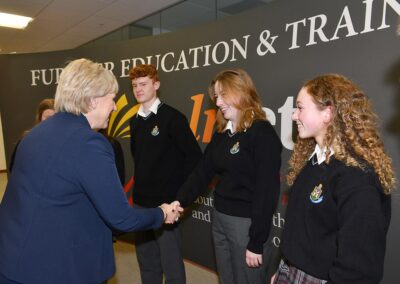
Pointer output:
x,y
126,263
128,270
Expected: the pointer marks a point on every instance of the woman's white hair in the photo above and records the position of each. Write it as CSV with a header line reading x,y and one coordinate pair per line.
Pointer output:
x,y
81,80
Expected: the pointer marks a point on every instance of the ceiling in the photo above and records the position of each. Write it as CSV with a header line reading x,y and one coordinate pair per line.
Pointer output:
x,y
66,24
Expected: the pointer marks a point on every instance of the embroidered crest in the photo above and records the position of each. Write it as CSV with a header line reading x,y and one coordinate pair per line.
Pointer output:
x,y
235,148
155,131
316,195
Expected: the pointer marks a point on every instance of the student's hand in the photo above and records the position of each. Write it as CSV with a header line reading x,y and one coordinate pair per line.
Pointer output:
x,y
273,278
176,205
171,213
253,259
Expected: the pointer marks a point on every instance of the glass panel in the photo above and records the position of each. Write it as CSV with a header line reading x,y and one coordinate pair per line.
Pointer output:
x,y
187,14
136,31
231,7
152,23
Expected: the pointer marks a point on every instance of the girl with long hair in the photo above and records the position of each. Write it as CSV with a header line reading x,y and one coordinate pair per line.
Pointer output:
x,y
244,154
341,179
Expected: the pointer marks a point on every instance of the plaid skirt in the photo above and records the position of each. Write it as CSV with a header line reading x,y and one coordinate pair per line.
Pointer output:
x,y
288,274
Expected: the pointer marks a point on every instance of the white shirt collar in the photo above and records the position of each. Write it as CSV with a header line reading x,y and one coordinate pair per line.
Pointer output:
x,y
229,126
152,109
321,154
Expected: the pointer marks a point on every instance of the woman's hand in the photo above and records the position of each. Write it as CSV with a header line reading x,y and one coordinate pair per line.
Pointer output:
x,y
171,212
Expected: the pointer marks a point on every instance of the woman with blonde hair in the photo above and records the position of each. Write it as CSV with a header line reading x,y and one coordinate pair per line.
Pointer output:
x,y
244,153
341,179
64,194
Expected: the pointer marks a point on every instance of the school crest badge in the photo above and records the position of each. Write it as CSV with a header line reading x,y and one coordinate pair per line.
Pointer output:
x,y
235,148
155,131
316,195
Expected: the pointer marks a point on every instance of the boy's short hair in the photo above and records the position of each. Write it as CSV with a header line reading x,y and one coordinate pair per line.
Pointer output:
x,y
144,70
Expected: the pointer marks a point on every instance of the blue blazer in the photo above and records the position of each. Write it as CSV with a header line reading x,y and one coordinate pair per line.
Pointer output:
x,y
61,200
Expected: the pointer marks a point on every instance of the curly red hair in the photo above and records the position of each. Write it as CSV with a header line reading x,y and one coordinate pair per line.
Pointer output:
x,y
353,132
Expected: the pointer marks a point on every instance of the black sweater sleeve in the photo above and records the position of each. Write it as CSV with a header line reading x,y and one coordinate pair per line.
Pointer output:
x,y
119,159
199,179
363,224
185,141
267,158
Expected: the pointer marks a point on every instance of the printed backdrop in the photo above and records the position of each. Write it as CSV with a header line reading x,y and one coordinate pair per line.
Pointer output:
x,y
281,46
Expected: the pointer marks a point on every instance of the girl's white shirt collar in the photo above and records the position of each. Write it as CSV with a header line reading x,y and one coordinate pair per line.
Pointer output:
x,y
321,154
229,126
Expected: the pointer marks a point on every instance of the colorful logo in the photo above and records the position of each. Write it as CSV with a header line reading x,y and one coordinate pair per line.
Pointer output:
x,y
316,195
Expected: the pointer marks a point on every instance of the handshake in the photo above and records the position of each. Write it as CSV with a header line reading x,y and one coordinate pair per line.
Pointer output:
x,y
171,211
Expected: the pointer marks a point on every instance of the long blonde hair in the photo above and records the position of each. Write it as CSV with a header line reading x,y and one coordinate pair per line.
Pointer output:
x,y
239,91
352,133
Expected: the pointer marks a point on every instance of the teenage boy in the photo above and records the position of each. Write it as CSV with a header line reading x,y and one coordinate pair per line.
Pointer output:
x,y
164,152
